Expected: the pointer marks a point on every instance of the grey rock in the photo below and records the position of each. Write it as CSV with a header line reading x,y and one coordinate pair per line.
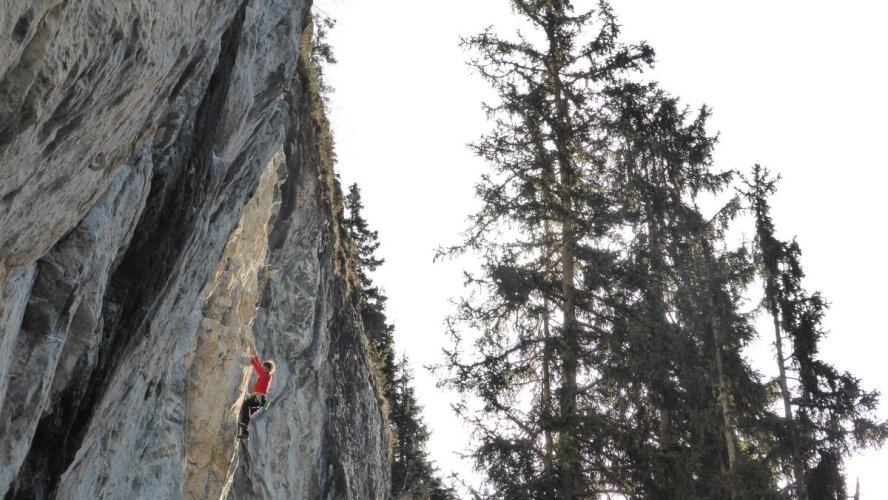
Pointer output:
x,y
165,198
57,340
13,301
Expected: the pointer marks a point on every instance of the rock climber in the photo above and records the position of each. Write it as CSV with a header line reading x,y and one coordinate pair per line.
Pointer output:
x,y
257,399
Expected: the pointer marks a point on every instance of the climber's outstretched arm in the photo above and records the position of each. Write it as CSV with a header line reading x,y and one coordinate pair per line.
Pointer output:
x,y
253,351
257,365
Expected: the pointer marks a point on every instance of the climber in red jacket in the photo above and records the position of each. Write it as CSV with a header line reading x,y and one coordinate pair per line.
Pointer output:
x,y
256,400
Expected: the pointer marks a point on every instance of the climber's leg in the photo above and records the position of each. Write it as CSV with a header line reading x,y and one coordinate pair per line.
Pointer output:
x,y
248,409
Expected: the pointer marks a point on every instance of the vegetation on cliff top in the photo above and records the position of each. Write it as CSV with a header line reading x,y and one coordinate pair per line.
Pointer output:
x,y
413,474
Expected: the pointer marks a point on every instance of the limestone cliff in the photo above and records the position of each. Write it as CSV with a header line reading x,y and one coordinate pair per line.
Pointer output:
x,y
166,196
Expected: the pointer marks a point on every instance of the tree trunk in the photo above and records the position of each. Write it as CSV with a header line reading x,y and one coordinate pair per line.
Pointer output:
x,y
722,392
570,348
798,469
655,298
569,459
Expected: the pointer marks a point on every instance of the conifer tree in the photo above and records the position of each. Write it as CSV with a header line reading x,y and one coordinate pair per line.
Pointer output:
x,y
378,331
826,413
413,475
541,432
680,310
653,189
366,241
321,54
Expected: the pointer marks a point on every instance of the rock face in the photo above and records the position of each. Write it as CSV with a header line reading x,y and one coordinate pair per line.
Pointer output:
x,y
166,199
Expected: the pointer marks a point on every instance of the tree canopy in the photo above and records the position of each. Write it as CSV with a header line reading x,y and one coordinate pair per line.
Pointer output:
x,y
607,319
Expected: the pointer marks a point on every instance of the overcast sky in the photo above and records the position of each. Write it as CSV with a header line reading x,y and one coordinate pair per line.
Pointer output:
x,y
799,86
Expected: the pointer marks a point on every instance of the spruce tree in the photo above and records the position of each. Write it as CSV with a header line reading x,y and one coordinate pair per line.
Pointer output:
x,y
677,342
366,242
413,475
541,233
826,413
321,54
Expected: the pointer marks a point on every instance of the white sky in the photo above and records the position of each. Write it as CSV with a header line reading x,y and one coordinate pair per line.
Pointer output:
x,y
798,86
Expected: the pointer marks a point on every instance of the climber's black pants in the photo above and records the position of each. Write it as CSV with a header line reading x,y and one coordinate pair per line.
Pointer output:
x,y
251,405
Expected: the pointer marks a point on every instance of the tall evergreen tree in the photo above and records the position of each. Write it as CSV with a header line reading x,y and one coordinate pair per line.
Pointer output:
x,y
542,433
826,413
413,474
680,309
366,241
379,332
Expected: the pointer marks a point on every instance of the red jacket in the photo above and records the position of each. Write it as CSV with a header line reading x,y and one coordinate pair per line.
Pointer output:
x,y
264,377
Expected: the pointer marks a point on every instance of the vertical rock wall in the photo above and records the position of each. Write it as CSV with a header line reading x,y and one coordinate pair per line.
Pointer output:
x,y
165,195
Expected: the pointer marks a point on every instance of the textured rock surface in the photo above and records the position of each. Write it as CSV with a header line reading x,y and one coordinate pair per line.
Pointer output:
x,y
165,194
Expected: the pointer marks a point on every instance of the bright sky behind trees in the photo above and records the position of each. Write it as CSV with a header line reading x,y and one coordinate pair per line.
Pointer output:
x,y
796,86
